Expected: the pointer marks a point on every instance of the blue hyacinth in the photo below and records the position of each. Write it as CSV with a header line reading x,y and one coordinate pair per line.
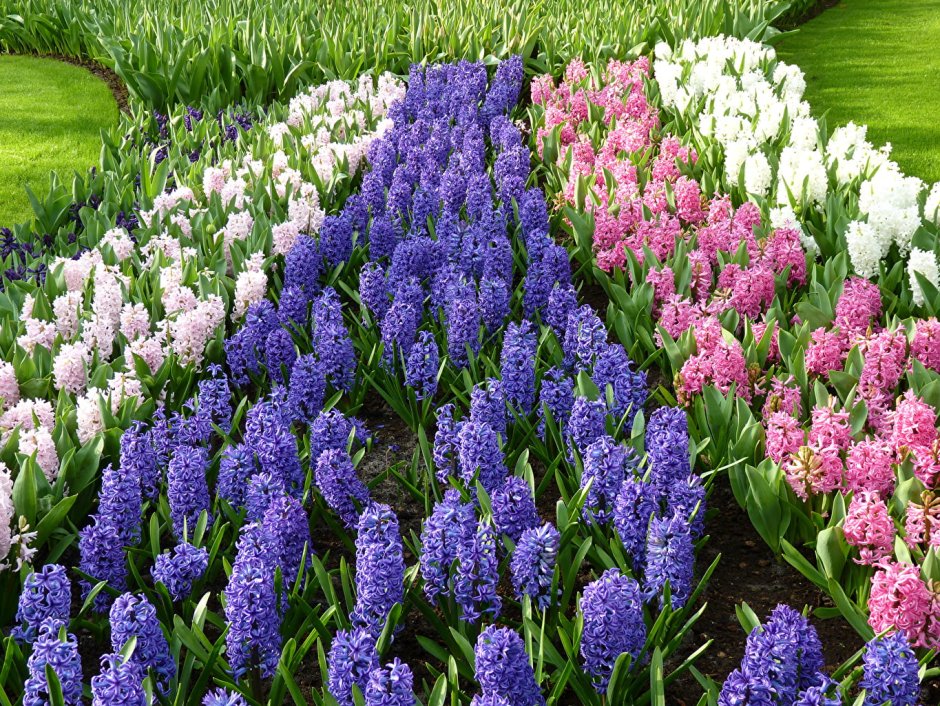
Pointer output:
x,y
514,508
120,682
667,445
235,468
670,556
450,525
101,558
502,667
517,366
187,490
391,685
49,649
285,523
488,405
180,568
351,660
422,366
134,616
479,455
533,564
340,486
478,575
46,594
890,672
605,464
380,568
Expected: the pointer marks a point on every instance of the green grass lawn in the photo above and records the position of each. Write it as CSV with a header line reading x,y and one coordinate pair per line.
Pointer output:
x,y
877,62
51,114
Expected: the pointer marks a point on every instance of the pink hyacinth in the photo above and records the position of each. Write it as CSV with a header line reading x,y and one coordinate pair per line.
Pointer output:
x,y
9,387
923,521
782,397
541,89
914,422
859,305
826,351
664,285
885,361
784,436
927,464
701,281
688,198
926,344
830,429
869,467
900,600
869,528
717,363
811,471
677,315
773,350
753,291
783,249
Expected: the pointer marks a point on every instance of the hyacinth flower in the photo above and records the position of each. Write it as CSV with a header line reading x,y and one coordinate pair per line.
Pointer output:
x,y
670,557
605,465
57,649
380,568
478,575
391,685
306,389
120,682
340,485
612,609
513,508
891,672
352,659
134,616
667,445
517,366
120,502
221,697
480,456
236,467
187,489
102,559
450,526
179,569
46,594
268,434
503,669
488,405
422,366
139,459
556,398
285,524
533,564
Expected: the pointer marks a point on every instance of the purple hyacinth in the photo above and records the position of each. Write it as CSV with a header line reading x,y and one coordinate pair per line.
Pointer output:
x,y
306,390
340,486
422,366
517,366
261,490
605,464
160,442
688,499
488,405
285,523
279,354
463,327
180,568
138,458
331,341
134,616
222,697
781,658
667,445
374,290
399,329
495,296
50,650
451,524
102,559
120,682
380,568
636,504
628,387
293,308
391,685
612,608
514,508
445,443
214,399
817,695
236,467
352,659
332,430
533,564
503,92
46,594
585,339
479,455
120,502
268,434
502,667
187,490
251,612
562,301
488,700
557,395
478,575
890,672
670,556
336,239
303,266
585,424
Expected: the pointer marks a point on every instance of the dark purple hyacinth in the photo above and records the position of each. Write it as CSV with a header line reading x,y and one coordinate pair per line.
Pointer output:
x,y
374,290
333,346
293,308
670,557
422,366
120,682
451,525
187,490
612,608
120,502
251,612
478,575
380,568
46,594
180,568
340,485
687,498
514,508
562,301
533,564
352,659
502,667
134,616
50,650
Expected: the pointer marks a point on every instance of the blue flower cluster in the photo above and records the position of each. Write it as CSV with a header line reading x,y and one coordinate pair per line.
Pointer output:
x,y
533,564
890,672
352,660
180,568
134,616
120,682
340,486
478,575
380,568
450,525
49,649
391,685
503,669
46,594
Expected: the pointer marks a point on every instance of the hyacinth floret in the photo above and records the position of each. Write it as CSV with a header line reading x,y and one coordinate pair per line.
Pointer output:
x,y
502,667
391,685
352,659
49,649
46,594
891,672
533,564
187,489
134,616
120,682
478,575
380,568
340,485
179,569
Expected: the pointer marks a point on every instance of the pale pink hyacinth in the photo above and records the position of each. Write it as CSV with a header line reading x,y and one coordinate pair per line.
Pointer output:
x,y
77,272
39,441
284,236
7,513
151,349
869,528
38,332
67,307
120,242
191,330
68,368
135,321
859,305
214,178
237,227
826,351
926,344
250,286
121,387
9,387
784,436
811,471
869,467
900,600
913,423
25,413
88,415
923,521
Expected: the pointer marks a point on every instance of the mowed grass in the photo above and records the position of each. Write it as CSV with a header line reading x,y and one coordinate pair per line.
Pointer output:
x,y
51,115
877,62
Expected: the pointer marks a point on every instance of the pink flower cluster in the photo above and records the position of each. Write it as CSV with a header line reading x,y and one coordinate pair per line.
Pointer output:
x,y
900,599
716,362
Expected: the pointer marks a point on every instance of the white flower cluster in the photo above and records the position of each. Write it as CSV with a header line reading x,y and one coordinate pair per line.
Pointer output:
x,y
752,105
